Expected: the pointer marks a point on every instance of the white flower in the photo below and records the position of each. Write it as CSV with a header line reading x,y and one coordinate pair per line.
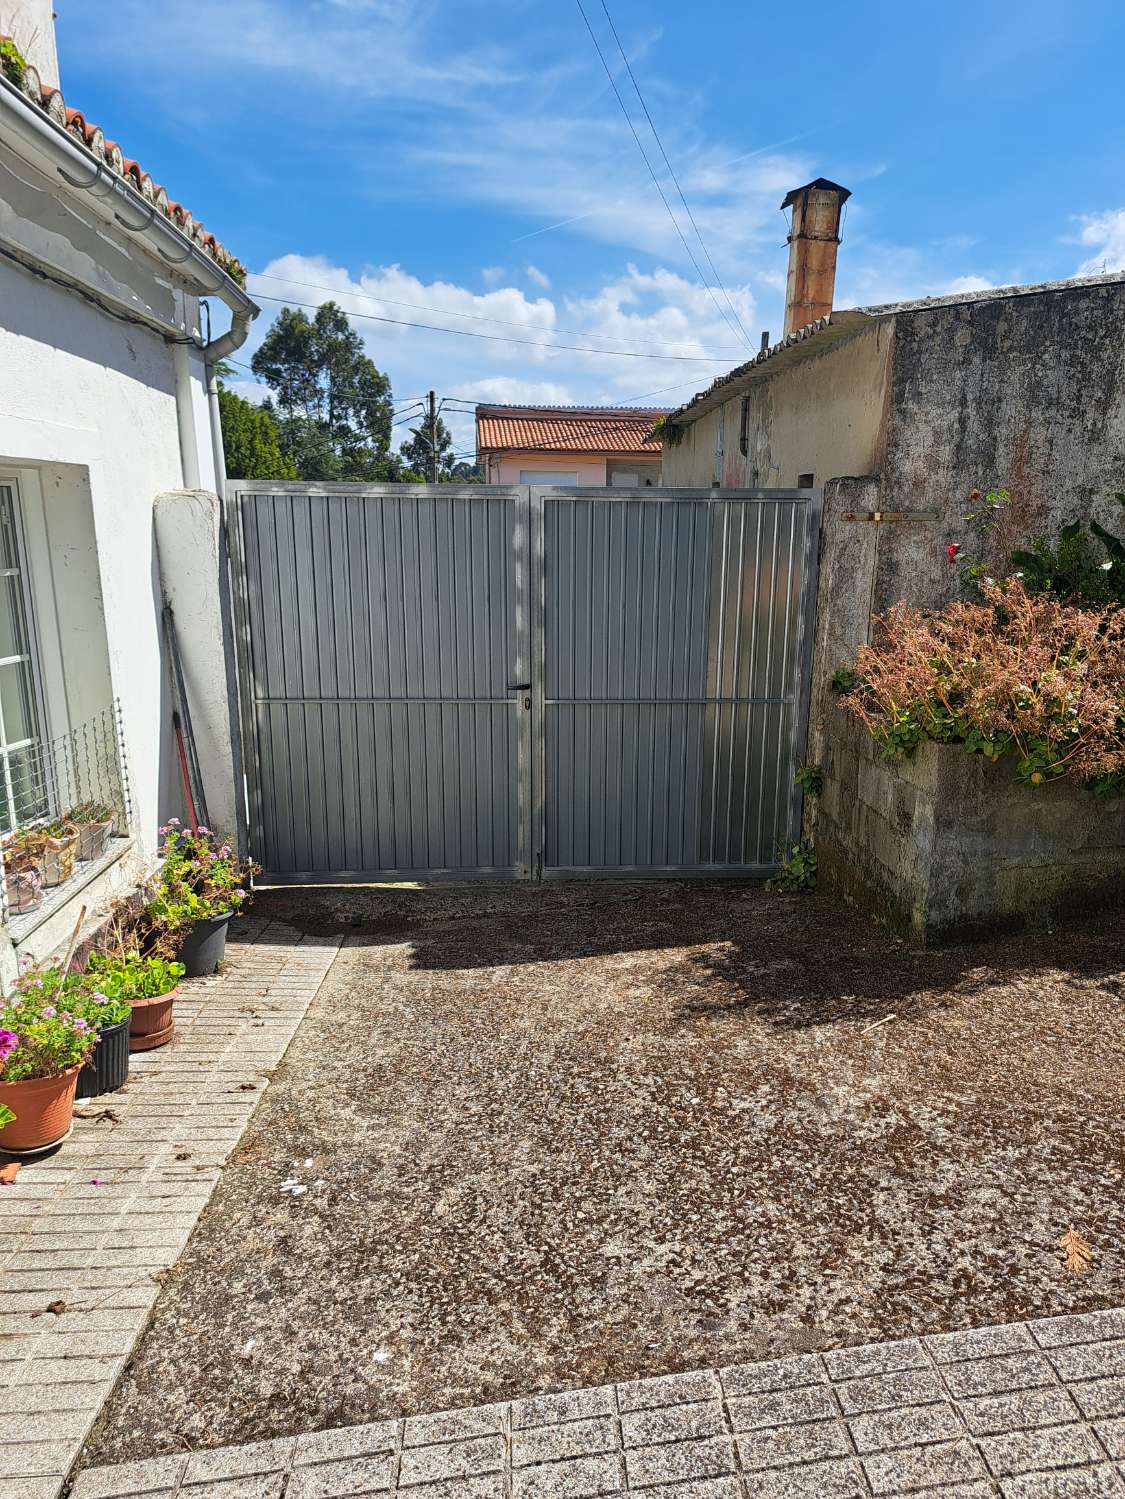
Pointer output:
x,y
1105,566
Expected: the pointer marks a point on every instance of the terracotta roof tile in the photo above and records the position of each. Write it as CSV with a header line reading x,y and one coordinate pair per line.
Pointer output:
x,y
89,135
582,431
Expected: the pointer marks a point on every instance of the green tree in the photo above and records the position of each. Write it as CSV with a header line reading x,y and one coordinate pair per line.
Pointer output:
x,y
251,440
415,453
334,406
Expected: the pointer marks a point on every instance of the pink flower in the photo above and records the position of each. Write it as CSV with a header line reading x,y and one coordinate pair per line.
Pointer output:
x,y
173,822
97,1181
50,1012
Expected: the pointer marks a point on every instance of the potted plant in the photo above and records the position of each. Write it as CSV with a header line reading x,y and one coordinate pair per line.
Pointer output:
x,y
148,985
201,885
42,1049
53,846
23,883
94,821
108,1067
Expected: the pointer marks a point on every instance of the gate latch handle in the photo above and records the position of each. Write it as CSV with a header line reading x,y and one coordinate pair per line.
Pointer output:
x,y
519,686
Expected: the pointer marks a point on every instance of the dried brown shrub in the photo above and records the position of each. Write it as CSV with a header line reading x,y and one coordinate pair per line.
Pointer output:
x,y
1017,674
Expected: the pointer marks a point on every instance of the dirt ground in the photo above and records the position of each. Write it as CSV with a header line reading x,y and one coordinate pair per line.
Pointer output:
x,y
561,1135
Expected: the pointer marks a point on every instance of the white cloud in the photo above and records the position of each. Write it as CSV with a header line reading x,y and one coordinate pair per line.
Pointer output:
x,y
632,338
966,284
538,277
492,275
1105,234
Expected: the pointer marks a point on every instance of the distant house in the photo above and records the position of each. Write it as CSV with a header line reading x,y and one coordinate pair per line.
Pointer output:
x,y
110,468
569,445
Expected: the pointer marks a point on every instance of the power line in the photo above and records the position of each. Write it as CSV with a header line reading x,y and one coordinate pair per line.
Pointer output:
x,y
475,317
671,172
499,338
652,173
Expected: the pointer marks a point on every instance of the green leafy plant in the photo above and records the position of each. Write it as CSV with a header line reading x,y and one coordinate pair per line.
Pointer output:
x,y
6,1115
41,1041
810,778
1086,566
101,1010
844,680
91,812
798,872
127,976
200,878
1017,674
13,64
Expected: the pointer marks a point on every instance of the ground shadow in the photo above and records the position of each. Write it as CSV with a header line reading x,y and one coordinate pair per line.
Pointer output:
x,y
793,961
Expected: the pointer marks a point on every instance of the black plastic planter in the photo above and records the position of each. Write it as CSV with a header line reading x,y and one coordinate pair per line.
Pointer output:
x,y
204,946
108,1068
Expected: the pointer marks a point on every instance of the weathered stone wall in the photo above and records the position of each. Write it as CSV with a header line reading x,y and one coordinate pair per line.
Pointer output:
x,y
1024,393
946,846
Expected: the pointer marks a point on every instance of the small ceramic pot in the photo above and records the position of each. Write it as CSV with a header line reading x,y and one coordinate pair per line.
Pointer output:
x,y
93,838
44,1110
57,857
24,886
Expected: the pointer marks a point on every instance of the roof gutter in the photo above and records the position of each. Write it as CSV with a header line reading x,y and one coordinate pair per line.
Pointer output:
x,y
129,210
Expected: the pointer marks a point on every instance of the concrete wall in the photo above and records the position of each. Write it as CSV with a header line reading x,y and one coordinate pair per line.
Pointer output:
x,y
822,415
1020,393
948,846
30,23
195,577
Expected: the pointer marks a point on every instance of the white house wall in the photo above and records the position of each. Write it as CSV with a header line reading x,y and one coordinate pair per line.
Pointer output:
x,y
81,389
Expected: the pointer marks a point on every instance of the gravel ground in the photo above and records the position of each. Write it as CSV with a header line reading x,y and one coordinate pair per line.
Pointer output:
x,y
581,1133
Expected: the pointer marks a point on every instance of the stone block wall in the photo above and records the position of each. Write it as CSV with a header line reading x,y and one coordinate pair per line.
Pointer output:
x,y
946,846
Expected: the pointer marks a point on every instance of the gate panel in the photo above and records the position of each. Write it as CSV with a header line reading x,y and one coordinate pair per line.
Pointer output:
x,y
380,630
673,630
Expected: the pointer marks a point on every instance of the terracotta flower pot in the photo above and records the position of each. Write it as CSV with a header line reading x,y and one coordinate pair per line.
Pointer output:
x,y
152,1023
23,883
44,1110
92,839
58,856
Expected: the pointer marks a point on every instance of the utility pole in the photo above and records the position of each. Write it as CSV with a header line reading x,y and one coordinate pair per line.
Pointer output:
x,y
433,437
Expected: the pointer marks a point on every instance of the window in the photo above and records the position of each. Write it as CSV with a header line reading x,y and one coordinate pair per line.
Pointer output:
x,y
23,793
806,481
744,427
547,476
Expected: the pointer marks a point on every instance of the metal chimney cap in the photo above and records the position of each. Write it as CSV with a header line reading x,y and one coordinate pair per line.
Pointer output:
x,y
824,185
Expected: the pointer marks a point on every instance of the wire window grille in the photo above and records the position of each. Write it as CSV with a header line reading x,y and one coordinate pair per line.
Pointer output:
x,y
19,709
52,778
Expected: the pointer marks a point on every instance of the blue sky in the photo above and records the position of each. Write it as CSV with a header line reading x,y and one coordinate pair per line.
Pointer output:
x,y
471,159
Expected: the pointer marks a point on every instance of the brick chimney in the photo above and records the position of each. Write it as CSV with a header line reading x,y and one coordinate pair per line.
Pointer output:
x,y
31,25
814,233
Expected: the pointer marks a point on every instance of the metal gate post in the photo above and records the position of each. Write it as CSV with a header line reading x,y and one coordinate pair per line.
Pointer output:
x,y
538,688
802,688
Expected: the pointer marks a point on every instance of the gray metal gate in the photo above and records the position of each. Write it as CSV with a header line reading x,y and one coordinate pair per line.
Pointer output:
x,y
521,683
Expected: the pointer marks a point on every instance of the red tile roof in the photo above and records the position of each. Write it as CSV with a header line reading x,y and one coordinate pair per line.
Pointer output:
x,y
601,433
51,102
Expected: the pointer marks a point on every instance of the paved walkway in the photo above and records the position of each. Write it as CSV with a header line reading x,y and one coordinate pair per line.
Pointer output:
x,y
1028,1411
92,1228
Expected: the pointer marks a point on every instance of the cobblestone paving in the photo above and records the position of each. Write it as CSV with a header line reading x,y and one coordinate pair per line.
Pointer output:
x,y
1028,1411
94,1225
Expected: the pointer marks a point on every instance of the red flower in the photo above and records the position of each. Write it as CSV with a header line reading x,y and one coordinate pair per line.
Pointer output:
x,y
951,551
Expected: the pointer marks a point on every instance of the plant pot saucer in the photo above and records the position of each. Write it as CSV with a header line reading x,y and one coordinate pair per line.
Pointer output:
x,y
21,1153
152,1039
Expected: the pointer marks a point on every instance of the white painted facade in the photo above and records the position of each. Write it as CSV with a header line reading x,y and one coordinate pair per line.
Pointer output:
x,y
104,408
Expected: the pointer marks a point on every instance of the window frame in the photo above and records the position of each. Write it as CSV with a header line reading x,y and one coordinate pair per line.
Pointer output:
x,y
10,482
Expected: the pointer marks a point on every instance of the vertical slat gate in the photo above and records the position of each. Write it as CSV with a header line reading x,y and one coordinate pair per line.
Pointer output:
x,y
673,632
379,631
516,683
